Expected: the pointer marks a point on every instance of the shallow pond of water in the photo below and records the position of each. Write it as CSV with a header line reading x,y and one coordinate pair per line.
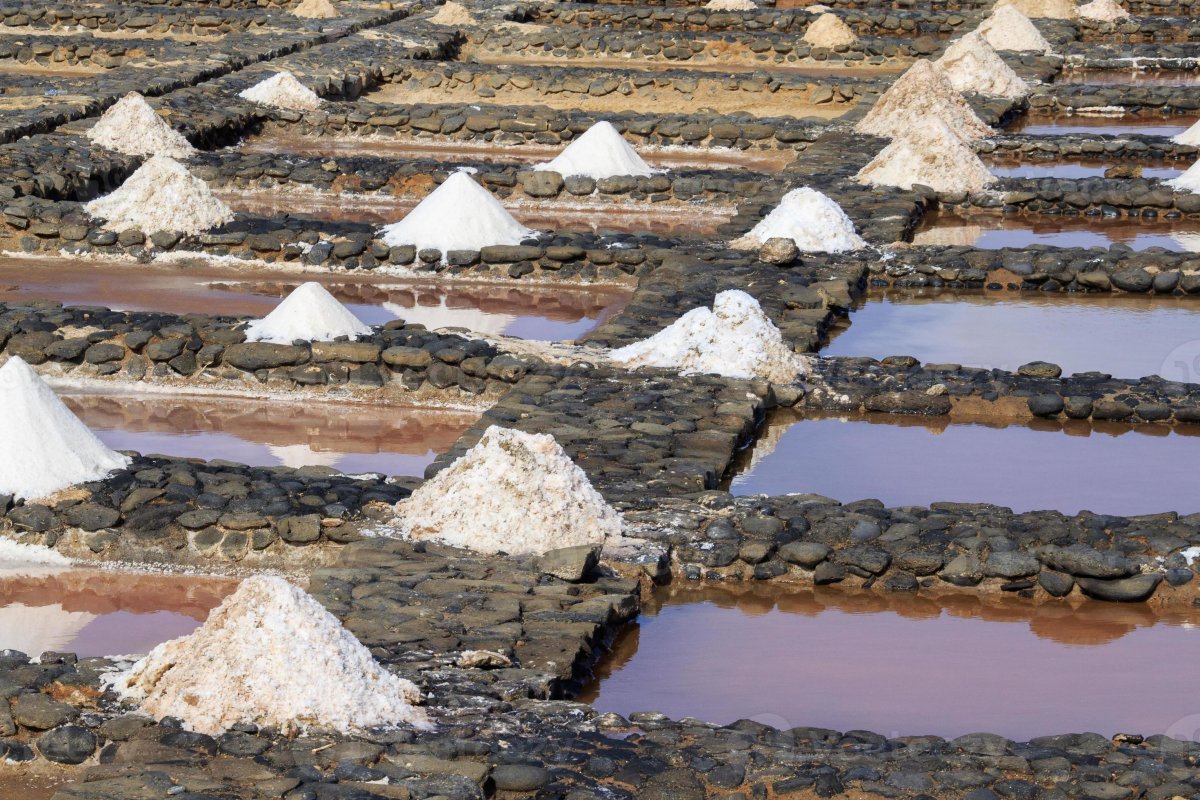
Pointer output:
x,y
1074,169
995,231
1147,125
1126,77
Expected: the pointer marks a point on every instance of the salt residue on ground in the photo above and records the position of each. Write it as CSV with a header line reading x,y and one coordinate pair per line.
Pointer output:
x,y
973,65
828,30
309,313
43,446
458,215
1103,11
1188,181
1008,29
599,152
13,554
161,196
731,5
316,9
282,90
513,492
931,155
810,219
452,13
132,127
735,339
1044,9
923,91
1190,136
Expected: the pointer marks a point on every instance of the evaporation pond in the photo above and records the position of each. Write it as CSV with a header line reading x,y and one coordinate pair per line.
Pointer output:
x,y
996,231
1147,125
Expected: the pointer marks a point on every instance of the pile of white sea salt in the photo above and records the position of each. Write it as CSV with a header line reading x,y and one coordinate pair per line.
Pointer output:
x,y
272,656
930,155
43,446
731,5
132,127
1044,9
1190,136
809,218
1008,29
161,196
452,13
1189,181
599,152
735,339
973,65
282,90
922,92
309,313
828,30
1103,11
513,492
458,215
316,9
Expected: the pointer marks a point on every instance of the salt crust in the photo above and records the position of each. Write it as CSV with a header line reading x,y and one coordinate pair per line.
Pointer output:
x,y
316,9
972,65
735,339
1190,136
14,553
282,90
161,196
1008,29
731,5
1189,181
458,215
43,446
828,30
132,127
452,13
1043,9
309,313
809,218
270,655
1103,11
931,156
599,152
923,91
513,492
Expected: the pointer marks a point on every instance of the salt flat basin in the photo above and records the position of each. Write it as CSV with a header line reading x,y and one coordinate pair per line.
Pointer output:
x,y
1147,124
353,439
904,665
1074,169
1129,336
1100,467
996,231
1126,77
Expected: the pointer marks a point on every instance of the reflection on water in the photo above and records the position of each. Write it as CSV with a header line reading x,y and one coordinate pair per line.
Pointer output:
x,y
1147,125
995,231
1073,169
903,665
1128,77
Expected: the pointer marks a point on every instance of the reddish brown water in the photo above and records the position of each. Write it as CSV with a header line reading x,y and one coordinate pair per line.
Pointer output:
x,y
904,665
1122,77
1147,124
1075,169
996,231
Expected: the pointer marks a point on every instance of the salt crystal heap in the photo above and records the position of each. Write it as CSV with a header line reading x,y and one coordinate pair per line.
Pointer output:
x,y
316,9
735,339
161,196
599,152
309,313
1103,11
810,219
132,127
922,92
1008,29
1190,136
282,90
272,656
458,215
452,13
1043,9
828,30
972,65
1188,181
731,5
931,155
513,492
43,446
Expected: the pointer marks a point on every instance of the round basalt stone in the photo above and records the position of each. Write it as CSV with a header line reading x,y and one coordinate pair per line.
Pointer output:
x,y
520,778
1045,405
1040,369
69,744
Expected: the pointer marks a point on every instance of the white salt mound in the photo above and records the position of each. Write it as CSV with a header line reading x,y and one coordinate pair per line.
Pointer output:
x,y
452,13
1188,181
458,215
161,196
43,446
731,5
513,492
735,339
1103,11
1043,9
270,655
923,91
828,30
973,65
1008,29
810,219
309,313
316,9
1190,136
599,152
931,156
282,90
132,127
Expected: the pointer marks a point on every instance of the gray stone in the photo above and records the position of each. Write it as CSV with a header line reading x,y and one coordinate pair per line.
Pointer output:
x,y
520,778
1011,564
963,570
1124,590
804,554
69,744
41,712
570,563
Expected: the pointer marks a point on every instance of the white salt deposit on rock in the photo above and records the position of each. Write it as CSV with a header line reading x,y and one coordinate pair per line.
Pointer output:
x,y
828,30
43,446
731,5
458,215
1042,9
310,313
316,9
810,219
270,655
1190,136
452,13
132,127
282,90
922,92
1008,29
735,339
14,554
513,492
599,152
1103,11
931,156
973,65
161,196
1188,181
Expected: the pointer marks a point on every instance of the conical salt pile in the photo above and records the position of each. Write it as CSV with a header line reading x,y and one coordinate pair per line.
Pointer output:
x,y
272,656
1190,136
1008,29
309,313
513,492
458,215
161,196
1042,9
810,219
282,90
316,9
132,127
828,30
599,152
923,91
43,446
1188,181
1103,11
972,65
735,339
452,13
731,5
931,156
